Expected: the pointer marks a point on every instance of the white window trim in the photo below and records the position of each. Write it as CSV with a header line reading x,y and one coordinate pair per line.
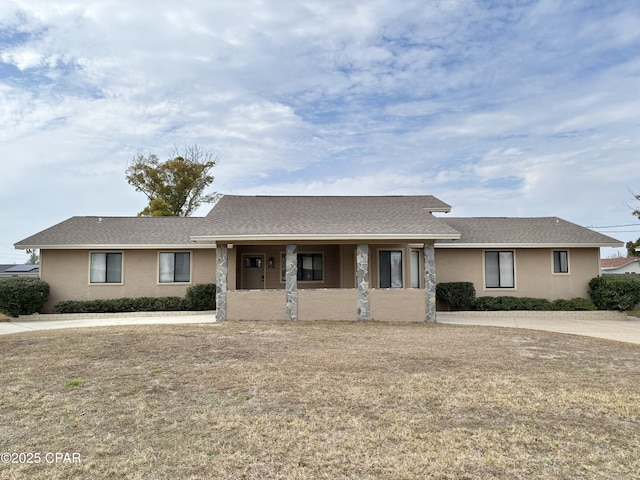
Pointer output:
x,y
283,258
553,272
515,271
103,284
190,282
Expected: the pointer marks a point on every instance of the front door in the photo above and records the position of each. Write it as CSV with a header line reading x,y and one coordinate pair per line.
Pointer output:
x,y
253,272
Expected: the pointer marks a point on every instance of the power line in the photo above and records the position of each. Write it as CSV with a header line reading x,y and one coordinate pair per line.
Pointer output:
x,y
614,226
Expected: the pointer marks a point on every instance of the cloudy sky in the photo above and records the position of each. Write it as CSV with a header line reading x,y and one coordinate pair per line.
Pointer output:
x,y
509,108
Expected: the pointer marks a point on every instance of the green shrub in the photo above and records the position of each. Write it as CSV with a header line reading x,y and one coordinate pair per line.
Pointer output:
x,y
22,296
573,304
494,303
119,305
201,297
615,292
456,295
506,303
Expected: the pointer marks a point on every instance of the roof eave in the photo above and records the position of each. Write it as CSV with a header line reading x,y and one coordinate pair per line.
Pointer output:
x,y
322,238
105,246
528,245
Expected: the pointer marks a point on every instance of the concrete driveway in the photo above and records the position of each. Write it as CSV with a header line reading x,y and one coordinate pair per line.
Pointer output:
x,y
17,326
620,330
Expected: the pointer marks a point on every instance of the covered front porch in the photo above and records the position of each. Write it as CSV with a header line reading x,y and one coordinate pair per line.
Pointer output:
x,y
318,281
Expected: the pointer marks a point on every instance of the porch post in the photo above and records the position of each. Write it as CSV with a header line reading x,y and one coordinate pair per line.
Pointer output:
x,y
291,281
430,281
222,262
362,280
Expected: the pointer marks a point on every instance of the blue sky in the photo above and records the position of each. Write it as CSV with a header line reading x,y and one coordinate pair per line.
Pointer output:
x,y
513,108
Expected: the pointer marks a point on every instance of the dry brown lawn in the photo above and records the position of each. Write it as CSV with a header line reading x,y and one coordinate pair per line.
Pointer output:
x,y
319,401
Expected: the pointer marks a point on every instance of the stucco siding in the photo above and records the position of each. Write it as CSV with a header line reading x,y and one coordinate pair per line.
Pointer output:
x,y
328,304
256,305
67,273
534,275
398,305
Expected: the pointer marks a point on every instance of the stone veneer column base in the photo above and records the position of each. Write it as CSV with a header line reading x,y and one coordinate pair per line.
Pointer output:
x,y
222,263
430,282
362,281
291,281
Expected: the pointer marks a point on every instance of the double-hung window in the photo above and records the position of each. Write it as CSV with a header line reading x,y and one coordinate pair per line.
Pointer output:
x,y
390,268
499,269
106,267
175,267
309,267
560,261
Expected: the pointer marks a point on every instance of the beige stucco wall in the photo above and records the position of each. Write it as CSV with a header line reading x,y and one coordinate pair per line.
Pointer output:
x,y
256,305
398,304
534,275
387,305
67,272
328,304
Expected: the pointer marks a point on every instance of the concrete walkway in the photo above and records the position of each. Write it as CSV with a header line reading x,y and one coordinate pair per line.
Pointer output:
x,y
620,330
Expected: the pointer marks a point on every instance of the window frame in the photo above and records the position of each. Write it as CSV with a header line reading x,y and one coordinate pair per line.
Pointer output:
x,y
106,254
420,254
402,268
283,267
513,270
567,262
174,281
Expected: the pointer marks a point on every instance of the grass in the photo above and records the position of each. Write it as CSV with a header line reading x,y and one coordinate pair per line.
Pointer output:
x,y
320,400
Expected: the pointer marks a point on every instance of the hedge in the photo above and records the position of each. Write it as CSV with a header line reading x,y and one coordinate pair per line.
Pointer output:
x,y
462,296
22,296
198,297
201,297
615,292
505,303
118,305
456,295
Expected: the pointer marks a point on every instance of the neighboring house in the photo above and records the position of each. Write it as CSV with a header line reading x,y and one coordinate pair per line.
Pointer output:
x,y
342,258
620,265
16,271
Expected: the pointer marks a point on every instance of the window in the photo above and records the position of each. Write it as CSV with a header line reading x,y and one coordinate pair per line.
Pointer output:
x,y
560,261
106,268
415,269
390,268
175,267
498,270
309,267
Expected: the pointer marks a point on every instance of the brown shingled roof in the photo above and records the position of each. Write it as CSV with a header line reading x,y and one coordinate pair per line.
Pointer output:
x,y
237,218
307,217
617,262
114,231
540,231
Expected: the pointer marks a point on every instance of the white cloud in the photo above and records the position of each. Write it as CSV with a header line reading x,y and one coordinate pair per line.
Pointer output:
x,y
501,109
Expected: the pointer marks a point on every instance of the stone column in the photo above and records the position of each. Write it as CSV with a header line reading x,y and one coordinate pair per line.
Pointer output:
x,y
430,281
362,281
222,262
291,281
